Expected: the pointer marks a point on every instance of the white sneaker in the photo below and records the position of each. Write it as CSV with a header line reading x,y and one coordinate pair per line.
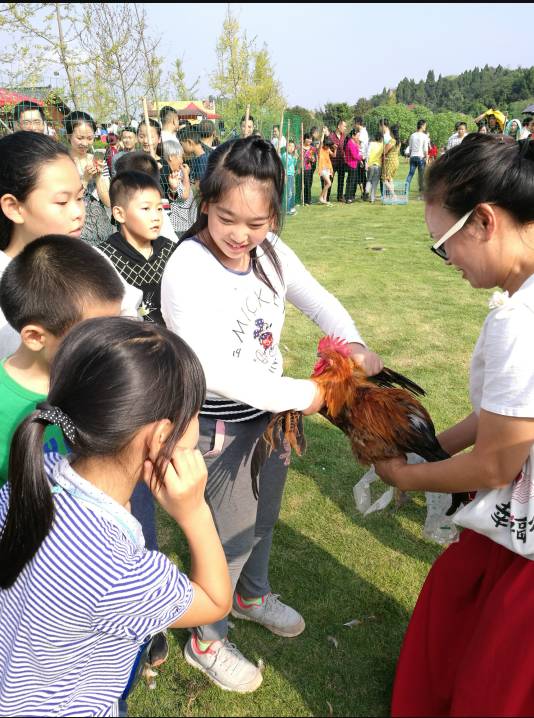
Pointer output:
x,y
225,665
280,619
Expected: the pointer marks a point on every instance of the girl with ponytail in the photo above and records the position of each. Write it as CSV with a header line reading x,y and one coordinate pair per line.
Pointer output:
x,y
79,593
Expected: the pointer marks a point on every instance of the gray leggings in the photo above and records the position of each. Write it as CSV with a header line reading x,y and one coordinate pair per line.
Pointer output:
x,y
245,525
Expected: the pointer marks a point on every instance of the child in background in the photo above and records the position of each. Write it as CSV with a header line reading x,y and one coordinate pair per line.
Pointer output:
x,y
183,206
353,157
80,594
144,162
80,284
310,163
374,165
137,250
195,154
290,162
325,168
40,193
224,291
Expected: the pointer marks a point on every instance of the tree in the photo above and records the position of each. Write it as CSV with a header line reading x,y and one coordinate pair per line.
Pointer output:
x,y
111,40
177,80
51,33
334,111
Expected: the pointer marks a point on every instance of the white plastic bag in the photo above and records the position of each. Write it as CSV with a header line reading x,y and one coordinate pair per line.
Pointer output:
x,y
362,494
438,526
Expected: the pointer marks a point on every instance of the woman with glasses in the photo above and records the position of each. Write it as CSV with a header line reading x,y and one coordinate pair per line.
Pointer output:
x,y
469,648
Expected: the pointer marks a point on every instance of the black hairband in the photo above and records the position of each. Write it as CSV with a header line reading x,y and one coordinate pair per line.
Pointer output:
x,y
53,415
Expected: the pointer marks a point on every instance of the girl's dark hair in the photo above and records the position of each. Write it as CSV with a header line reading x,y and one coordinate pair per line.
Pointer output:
x,y
378,137
111,377
22,155
420,123
76,118
306,136
394,131
230,164
485,168
327,142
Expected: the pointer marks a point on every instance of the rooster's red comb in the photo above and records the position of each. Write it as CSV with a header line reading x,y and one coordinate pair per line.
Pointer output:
x,y
334,344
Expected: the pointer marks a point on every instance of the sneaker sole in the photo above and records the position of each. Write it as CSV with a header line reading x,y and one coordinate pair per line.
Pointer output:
x,y
247,688
273,629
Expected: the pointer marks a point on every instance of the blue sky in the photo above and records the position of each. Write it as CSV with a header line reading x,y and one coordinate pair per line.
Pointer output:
x,y
343,51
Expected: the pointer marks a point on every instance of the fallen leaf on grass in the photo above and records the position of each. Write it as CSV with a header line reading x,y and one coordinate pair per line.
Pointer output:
x,y
261,665
333,641
354,622
231,624
330,709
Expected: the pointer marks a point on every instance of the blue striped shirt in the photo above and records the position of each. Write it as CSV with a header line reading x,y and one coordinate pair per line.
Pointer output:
x,y
78,613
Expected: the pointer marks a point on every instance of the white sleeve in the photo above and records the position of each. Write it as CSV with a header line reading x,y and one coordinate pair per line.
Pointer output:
x,y
193,311
508,366
132,298
313,300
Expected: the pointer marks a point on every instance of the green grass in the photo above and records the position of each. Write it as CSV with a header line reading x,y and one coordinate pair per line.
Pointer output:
x,y
328,561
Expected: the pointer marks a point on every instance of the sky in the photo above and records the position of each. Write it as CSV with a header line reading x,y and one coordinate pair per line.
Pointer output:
x,y
342,51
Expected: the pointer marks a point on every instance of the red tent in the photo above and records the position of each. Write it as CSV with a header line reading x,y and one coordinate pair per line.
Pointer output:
x,y
8,97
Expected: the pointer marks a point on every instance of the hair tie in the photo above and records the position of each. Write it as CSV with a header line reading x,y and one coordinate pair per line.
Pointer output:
x,y
53,415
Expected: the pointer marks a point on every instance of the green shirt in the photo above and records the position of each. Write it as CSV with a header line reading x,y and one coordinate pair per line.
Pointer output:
x,y
16,403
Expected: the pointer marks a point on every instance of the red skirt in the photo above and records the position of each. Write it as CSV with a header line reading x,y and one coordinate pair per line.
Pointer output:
x,y
469,648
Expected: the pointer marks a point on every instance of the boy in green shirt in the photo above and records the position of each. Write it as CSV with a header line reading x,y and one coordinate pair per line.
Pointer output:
x,y
53,284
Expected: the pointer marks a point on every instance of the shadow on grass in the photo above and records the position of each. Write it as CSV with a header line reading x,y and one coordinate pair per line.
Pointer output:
x,y
348,668
331,465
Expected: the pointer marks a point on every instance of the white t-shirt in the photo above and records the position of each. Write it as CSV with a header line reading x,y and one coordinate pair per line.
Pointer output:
x,y
419,144
233,322
364,141
502,367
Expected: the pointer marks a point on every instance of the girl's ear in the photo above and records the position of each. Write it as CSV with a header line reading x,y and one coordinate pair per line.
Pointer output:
x,y
11,208
156,438
119,215
204,208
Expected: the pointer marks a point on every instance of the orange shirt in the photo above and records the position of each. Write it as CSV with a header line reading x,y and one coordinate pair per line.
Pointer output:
x,y
325,161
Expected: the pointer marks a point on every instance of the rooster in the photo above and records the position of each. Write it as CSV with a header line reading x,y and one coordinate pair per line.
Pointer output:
x,y
380,415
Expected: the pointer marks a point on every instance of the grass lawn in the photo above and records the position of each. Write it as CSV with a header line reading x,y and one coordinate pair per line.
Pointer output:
x,y
328,561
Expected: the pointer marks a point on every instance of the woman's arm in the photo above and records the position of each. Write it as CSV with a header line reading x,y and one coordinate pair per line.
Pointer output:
x,y
460,436
501,448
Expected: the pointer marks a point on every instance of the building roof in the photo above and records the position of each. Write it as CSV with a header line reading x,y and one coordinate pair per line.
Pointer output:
x,y
8,96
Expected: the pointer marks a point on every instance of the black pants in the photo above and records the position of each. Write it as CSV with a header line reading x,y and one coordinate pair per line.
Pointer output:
x,y
308,181
361,177
340,182
350,187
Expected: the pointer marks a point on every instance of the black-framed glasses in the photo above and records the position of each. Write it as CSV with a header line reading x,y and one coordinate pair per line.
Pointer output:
x,y
438,247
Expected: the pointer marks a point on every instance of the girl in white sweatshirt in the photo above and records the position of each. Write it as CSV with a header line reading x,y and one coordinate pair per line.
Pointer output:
x,y
224,292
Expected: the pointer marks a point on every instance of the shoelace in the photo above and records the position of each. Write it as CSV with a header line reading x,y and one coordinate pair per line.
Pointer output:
x,y
272,603
226,653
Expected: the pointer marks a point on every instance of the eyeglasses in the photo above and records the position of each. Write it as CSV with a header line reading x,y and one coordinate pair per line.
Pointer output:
x,y
438,247
31,123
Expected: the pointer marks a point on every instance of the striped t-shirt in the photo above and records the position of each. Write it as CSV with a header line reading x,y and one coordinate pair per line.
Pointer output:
x,y
75,618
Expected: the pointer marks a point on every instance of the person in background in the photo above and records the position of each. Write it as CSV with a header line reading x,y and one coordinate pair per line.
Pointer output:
x,y
374,165
150,141
361,178
169,121
353,158
276,140
112,150
325,169
206,130
418,153
338,161
483,128
195,155
94,174
432,152
456,138
528,127
128,140
247,128
390,160
310,163
290,162
513,129
28,115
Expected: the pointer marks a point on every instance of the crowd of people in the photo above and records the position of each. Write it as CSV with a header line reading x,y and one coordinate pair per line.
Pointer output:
x,y
141,362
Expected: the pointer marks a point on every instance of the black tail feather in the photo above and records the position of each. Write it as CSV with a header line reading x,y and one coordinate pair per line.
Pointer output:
x,y
391,379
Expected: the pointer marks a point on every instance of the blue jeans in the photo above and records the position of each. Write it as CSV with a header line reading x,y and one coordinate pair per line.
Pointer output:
x,y
419,164
290,192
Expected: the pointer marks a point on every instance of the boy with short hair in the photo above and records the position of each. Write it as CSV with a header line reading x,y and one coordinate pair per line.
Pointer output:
x,y
197,158
53,284
289,159
138,251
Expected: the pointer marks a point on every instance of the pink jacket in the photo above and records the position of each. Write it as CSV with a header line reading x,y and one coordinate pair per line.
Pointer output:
x,y
352,154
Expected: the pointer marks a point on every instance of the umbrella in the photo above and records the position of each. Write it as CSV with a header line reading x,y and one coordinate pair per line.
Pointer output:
x,y
528,110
